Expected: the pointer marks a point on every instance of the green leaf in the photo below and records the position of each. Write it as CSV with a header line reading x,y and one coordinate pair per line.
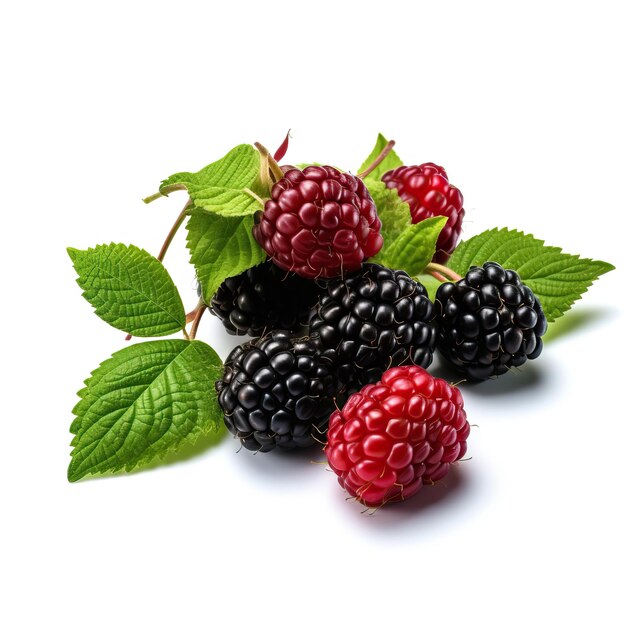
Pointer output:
x,y
237,170
129,289
390,162
220,247
413,248
394,214
557,279
142,403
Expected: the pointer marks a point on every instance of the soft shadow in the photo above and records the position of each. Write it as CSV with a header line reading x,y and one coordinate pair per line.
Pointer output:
x,y
575,319
187,452
529,377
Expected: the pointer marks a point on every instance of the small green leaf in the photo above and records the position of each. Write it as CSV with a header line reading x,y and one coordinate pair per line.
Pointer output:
x,y
129,289
142,403
394,214
237,170
390,162
220,247
413,249
557,279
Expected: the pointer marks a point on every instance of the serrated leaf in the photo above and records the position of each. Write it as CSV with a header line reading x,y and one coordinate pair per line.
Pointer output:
x,y
394,214
557,279
142,403
129,289
220,247
237,170
413,249
390,162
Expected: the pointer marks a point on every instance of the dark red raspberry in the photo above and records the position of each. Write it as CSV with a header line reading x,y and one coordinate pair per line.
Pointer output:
x,y
319,222
425,188
392,437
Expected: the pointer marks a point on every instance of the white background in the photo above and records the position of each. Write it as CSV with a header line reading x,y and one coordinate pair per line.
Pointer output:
x,y
522,103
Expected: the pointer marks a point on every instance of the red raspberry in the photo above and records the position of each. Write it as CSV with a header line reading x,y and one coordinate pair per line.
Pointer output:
x,y
395,435
425,188
319,222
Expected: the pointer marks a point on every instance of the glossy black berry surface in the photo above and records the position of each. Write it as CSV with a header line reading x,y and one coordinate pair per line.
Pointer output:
x,y
373,320
277,392
489,322
263,298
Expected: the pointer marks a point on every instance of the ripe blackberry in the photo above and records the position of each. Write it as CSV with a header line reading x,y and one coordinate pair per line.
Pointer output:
x,y
263,298
276,392
425,188
392,437
373,320
489,321
319,222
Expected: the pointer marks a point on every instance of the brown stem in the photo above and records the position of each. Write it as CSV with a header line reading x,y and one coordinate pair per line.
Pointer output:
x,y
378,160
275,170
164,192
440,277
200,309
168,240
449,274
179,220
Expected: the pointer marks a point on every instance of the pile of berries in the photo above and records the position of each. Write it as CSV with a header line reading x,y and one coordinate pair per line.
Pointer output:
x,y
342,344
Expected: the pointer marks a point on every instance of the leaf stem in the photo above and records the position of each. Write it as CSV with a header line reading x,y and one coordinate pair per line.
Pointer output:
x,y
442,272
378,160
253,195
164,192
179,220
168,240
200,309
274,168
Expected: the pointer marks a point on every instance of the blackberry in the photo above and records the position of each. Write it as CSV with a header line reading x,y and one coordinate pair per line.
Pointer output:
x,y
263,298
374,320
489,321
319,222
276,392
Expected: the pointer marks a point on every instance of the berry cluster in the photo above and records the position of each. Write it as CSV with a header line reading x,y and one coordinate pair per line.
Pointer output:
x,y
372,331
321,268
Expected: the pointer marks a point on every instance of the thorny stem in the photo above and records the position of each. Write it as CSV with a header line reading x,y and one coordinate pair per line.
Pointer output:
x,y
275,170
378,160
200,309
436,268
165,192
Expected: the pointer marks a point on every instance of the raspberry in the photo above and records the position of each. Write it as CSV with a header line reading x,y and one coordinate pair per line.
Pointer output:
x,y
425,188
319,222
392,437
489,322
373,320
263,298
276,392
